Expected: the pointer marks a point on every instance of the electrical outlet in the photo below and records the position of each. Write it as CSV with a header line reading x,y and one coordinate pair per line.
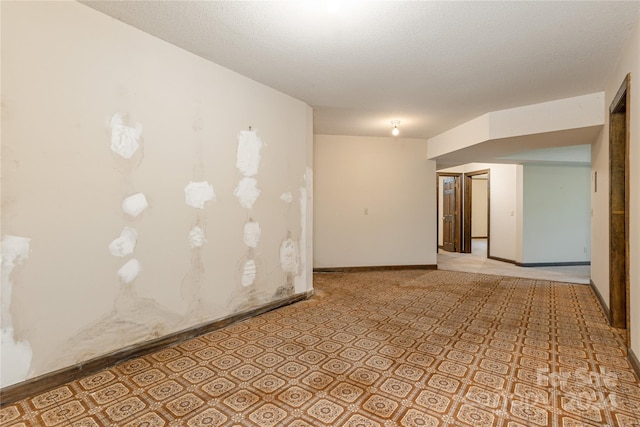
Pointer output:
x,y
366,211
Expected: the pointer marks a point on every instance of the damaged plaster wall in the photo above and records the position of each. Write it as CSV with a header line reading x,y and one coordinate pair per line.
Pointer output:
x,y
155,190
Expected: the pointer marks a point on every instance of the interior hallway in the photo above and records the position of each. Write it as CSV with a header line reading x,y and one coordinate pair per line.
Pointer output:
x,y
408,348
477,262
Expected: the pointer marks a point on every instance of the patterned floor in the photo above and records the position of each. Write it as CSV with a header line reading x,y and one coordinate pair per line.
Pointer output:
x,y
408,348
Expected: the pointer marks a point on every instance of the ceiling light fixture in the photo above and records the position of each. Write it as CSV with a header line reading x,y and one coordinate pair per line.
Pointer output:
x,y
395,131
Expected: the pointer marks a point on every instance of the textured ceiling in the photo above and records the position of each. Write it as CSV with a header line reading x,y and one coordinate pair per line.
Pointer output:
x,y
432,65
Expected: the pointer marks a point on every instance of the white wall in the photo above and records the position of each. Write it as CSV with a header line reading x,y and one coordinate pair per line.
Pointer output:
x,y
465,135
556,217
479,211
67,70
389,179
503,206
569,113
629,62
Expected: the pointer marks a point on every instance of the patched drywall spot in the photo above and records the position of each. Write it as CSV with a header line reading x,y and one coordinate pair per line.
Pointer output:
x,y
16,358
125,244
135,204
197,237
247,192
248,156
252,289
301,279
249,272
286,197
252,234
15,250
16,354
196,194
129,271
124,138
289,256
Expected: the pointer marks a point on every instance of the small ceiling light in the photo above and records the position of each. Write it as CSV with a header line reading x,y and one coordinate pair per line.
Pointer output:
x,y
395,131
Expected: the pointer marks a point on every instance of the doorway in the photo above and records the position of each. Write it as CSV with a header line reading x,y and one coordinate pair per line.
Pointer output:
x,y
619,118
476,211
449,208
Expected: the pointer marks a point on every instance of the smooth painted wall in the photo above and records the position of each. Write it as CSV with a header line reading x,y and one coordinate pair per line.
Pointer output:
x,y
569,113
66,71
556,214
479,207
374,202
629,62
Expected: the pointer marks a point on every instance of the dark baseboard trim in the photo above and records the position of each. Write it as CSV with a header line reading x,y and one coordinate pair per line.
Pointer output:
x,y
633,360
60,377
603,306
479,237
552,264
495,258
375,268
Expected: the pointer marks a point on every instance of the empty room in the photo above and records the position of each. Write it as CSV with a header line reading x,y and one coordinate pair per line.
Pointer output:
x,y
320,213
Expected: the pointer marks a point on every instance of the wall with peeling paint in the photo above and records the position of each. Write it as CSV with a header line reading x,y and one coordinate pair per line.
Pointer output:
x,y
145,190
375,202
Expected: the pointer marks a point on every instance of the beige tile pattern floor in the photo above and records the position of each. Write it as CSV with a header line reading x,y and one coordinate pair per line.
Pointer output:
x,y
409,348
477,262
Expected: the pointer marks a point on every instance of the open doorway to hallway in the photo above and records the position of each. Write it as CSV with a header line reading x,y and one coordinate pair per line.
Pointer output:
x,y
476,209
463,212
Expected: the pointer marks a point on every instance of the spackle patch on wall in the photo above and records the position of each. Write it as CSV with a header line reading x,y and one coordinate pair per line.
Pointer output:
x,y
252,234
249,270
16,358
289,256
302,283
196,237
247,192
15,362
15,250
286,197
134,204
129,271
124,139
196,194
248,156
125,244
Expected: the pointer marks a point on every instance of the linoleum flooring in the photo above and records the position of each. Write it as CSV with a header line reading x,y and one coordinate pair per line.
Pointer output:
x,y
402,348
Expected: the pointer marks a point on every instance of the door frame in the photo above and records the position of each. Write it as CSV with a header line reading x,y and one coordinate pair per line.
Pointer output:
x,y
468,194
458,219
619,287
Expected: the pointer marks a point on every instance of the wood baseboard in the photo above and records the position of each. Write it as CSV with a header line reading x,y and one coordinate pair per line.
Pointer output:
x,y
603,305
375,268
552,264
60,377
633,360
495,258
